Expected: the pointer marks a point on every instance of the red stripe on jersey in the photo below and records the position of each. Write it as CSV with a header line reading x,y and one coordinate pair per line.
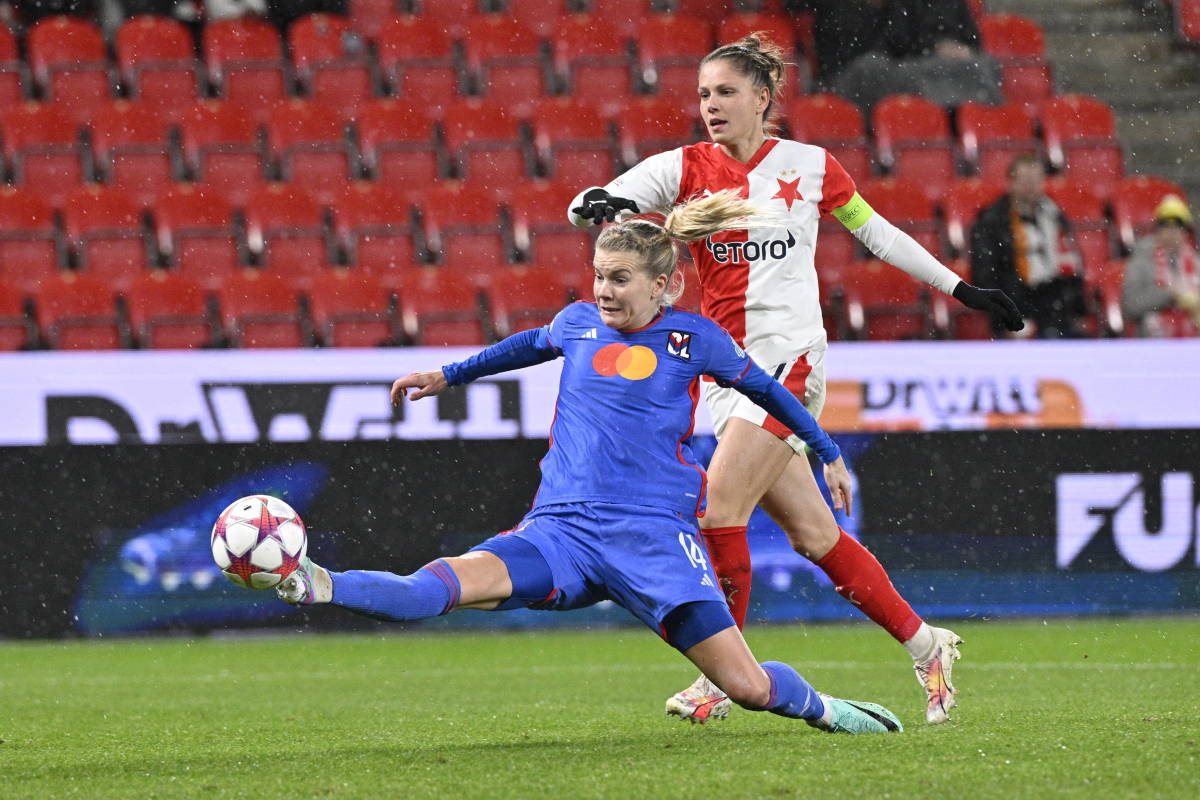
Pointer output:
x,y
837,187
706,167
795,383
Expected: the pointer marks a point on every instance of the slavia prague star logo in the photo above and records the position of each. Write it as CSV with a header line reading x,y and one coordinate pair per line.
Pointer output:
x,y
789,192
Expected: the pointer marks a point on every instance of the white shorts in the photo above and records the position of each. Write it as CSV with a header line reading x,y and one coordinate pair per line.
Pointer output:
x,y
803,375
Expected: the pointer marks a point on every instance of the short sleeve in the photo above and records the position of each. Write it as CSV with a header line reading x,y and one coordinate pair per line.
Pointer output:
x,y
837,187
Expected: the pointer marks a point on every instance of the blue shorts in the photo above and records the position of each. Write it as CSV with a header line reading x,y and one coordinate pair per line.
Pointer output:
x,y
648,560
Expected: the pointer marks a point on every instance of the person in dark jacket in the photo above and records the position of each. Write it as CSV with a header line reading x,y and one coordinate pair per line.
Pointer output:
x,y
1022,245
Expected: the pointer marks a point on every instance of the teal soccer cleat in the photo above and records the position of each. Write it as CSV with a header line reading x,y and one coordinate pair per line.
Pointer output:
x,y
855,716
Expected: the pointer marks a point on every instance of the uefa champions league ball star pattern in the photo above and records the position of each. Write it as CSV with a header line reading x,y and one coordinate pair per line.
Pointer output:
x,y
258,541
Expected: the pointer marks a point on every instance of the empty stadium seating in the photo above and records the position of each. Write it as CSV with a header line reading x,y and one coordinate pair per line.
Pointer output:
x,y
352,309
77,312
245,62
912,137
168,311
259,309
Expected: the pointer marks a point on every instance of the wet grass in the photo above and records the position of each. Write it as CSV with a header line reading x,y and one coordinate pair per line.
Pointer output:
x,y
1064,709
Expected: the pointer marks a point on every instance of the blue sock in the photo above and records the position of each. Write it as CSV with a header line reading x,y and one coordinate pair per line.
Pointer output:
x,y
429,592
791,695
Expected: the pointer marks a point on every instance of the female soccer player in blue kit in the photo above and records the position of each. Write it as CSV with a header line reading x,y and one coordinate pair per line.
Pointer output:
x,y
615,515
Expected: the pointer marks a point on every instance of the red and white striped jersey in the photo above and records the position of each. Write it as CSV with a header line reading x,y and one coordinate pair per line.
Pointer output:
x,y
761,284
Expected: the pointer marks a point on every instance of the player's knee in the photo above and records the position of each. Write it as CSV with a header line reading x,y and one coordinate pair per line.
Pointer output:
x,y
750,691
813,539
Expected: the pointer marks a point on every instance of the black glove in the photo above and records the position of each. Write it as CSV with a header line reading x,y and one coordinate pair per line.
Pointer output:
x,y
993,301
600,206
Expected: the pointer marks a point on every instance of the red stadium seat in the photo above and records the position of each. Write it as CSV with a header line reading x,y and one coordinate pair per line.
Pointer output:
x,y
194,229
29,246
1133,204
442,307
902,203
649,125
157,62
486,143
397,143
17,328
779,29
133,150
105,231
961,204
285,230
543,235
583,44
260,309
416,57
1187,21
12,70
1017,43
70,64
331,61
168,311
309,142
989,137
627,17
77,312
463,228
836,124
670,47
374,225
573,142
912,136
1081,140
369,17
353,309
42,146
893,305
449,15
525,297
505,60
1085,210
221,149
539,16
245,62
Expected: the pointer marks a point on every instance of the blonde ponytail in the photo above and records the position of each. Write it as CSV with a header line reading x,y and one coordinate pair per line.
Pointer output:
x,y
692,221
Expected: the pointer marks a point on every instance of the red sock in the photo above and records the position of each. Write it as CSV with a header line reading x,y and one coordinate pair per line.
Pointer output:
x,y
730,554
861,579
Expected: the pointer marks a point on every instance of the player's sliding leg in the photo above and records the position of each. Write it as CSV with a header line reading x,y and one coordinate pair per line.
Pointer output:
x,y
475,580
859,577
771,686
724,530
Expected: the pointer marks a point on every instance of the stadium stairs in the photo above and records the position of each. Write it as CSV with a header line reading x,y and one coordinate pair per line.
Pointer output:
x,y
1124,52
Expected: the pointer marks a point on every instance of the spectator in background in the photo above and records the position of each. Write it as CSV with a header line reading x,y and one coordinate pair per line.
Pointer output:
x,y
868,49
1161,295
1022,245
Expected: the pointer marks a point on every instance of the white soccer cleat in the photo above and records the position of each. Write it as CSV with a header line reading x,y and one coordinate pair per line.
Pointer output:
x,y
298,588
700,702
934,675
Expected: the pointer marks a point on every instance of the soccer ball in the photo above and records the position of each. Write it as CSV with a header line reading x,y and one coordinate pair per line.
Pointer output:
x,y
258,541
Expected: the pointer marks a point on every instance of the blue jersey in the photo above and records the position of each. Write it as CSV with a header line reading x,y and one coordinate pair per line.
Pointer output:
x,y
627,401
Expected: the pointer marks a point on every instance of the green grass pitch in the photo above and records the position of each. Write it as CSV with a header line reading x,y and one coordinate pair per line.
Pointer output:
x,y
1107,708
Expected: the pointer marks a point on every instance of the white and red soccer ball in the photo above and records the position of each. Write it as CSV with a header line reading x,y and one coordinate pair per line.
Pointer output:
x,y
258,541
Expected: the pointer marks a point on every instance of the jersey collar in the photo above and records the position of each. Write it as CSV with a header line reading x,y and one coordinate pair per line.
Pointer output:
x,y
763,151
662,310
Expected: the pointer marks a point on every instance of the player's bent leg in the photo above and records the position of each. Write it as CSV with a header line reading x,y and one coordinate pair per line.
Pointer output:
x,y
795,503
776,687
747,461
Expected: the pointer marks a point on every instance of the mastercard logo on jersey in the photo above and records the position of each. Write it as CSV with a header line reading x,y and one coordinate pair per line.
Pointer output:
x,y
632,363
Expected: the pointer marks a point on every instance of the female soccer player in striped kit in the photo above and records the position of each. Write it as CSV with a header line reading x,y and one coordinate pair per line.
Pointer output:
x,y
761,286
614,517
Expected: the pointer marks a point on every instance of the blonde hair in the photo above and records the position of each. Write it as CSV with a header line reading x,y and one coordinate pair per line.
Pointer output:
x,y
761,60
696,219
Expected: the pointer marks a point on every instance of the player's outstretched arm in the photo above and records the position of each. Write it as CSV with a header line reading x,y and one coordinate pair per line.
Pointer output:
x,y
890,244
